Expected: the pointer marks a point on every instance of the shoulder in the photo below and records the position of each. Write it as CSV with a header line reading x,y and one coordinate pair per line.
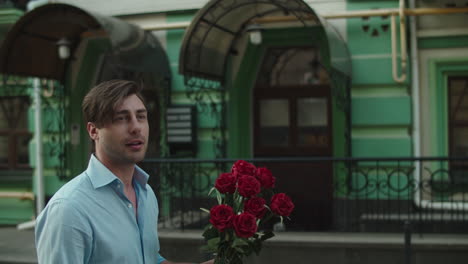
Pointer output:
x,y
66,204
78,186
62,210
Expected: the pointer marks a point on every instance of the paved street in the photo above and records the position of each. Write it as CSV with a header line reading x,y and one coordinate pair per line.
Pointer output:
x,y
17,246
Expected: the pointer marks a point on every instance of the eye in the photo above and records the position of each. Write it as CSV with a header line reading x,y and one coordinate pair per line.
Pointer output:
x,y
141,116
119,118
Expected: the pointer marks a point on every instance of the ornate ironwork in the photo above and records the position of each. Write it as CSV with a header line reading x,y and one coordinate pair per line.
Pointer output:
x,y
370,194
210,99
54,106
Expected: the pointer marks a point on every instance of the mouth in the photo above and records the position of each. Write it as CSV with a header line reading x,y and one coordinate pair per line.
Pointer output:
x,y
135,144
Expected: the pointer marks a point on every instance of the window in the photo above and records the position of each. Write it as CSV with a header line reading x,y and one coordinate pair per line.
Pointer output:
x,y
458,116
14,134
292,104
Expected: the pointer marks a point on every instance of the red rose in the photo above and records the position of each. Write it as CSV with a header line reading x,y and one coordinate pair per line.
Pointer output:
x,y
281,204
255,206
265,177
248,186
226,183
221,216
242,167
245,225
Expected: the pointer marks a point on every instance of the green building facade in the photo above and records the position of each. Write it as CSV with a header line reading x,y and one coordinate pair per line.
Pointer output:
x,y
322,81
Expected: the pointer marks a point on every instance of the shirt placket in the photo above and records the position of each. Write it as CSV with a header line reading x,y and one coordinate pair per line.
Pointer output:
x,y
135,219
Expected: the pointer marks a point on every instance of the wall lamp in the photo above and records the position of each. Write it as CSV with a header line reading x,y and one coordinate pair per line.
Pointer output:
x,y
255,33
63,48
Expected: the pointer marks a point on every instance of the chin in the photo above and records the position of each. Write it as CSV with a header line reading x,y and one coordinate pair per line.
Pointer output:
x,y
139,158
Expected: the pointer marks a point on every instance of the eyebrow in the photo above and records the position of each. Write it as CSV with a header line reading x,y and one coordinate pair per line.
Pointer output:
x,y
139,111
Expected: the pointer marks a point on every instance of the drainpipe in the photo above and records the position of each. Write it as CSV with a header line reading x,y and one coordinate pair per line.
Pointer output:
x,y
39,153
39,171
415,98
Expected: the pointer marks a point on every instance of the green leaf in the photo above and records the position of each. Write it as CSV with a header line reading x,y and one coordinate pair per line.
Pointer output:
x,y
212,189
257,247
208,249
238,242
267,235
210,232
218,196
239,249
213,243
205,210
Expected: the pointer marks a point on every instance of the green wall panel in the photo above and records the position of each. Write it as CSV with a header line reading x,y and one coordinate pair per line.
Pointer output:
x,y
9,16
369,35
372,70
177,79
381,147
50,154
173,44
50,119
15,211
381,111
205,149
206,120
443,42
51,182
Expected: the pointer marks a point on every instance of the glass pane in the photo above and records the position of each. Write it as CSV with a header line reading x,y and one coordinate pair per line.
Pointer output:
x,y
458,92
459,100
22,149
312,122
460,141
3,120
13,112
3,151
292,66
274,122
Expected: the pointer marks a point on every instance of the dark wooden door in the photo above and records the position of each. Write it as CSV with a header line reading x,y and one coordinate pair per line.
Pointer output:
x,y
458,127
295,121
292,118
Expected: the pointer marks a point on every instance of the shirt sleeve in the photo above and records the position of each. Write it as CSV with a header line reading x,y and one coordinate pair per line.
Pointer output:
x,y
160,259
61,236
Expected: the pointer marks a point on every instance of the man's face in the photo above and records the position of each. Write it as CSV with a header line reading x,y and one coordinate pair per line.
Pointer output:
x,y
124,140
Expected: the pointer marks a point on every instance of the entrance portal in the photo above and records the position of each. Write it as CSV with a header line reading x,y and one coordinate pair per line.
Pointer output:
x,y
292,118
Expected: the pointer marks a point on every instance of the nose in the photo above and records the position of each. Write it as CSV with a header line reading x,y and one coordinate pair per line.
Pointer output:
x,y
135,125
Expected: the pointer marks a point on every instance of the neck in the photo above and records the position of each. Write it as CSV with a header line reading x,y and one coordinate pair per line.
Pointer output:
x,y
123,171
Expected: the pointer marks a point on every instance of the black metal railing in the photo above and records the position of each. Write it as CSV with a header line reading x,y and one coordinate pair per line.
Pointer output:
x,y
367,194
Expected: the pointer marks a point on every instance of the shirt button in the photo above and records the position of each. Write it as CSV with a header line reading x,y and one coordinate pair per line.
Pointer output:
x,y
129,205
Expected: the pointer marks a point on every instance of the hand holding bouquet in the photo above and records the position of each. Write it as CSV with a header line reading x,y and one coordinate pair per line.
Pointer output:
x,y
245,201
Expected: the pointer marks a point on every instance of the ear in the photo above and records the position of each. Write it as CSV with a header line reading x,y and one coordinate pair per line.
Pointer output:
x,y
93,131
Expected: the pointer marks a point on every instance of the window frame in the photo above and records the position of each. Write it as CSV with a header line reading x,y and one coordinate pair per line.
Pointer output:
x,y
13,135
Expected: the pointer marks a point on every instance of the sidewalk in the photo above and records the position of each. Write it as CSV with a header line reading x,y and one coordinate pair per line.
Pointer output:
x,y
17,246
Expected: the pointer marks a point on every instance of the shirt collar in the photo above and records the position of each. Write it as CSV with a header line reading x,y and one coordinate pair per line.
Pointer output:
x,y
100,175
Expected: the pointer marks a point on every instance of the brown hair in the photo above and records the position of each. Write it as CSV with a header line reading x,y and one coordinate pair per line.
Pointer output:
x,y
100,102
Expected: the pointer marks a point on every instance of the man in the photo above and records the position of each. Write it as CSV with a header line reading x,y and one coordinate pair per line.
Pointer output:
x,y
107,214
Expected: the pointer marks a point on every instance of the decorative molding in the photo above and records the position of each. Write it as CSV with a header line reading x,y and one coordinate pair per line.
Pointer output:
x,y
442,32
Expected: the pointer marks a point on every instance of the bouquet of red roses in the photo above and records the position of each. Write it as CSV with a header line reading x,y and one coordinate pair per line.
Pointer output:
x,y
242,208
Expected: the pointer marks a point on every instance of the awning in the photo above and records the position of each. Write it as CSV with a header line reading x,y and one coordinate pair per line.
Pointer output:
x,y
30,47
210,38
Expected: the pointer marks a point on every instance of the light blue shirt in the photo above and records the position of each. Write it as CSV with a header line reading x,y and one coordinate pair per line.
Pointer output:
x,y
90,220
